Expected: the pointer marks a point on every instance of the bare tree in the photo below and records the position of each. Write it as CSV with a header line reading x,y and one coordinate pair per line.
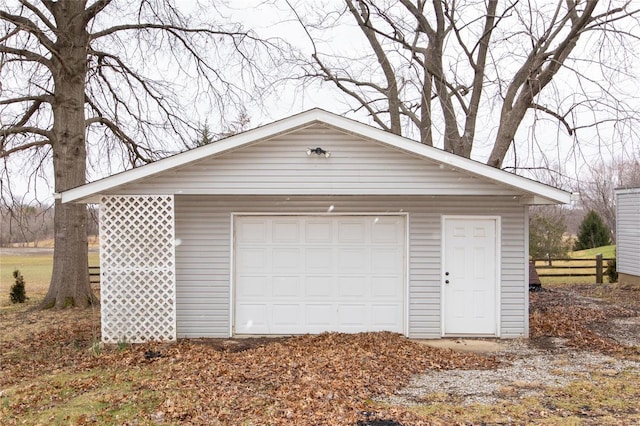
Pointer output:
x,y
445,69
547,230
22,223
597,189
87,82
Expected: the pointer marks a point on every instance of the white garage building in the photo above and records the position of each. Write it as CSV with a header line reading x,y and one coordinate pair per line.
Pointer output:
x,y
628,235
314,223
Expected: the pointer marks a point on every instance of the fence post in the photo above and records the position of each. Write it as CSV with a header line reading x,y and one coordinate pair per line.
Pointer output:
x,y
599,268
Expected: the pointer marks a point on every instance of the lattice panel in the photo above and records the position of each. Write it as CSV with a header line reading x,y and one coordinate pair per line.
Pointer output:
x,y
137,265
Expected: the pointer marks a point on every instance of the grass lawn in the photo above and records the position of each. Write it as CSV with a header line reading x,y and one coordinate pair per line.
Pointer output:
x,y
35,266
608,252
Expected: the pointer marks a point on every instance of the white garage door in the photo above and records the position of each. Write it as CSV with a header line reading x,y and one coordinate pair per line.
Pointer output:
x,y
310,274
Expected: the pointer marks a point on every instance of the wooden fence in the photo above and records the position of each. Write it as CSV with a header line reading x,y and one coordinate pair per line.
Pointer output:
x,y
567,267
94,275
563,268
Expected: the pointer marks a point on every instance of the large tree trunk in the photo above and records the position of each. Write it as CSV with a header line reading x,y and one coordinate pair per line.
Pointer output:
x,y
70,279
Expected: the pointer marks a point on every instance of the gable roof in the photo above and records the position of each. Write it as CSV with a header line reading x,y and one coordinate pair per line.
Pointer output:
x,y
536,192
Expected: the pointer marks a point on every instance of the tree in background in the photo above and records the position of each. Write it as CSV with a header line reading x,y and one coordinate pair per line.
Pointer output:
x,y
454,73
234,127
107,81
592,232
204,137
597,189
25,224
546,233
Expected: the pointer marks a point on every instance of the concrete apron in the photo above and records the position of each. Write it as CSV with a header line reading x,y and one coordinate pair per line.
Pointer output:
x,y
465,345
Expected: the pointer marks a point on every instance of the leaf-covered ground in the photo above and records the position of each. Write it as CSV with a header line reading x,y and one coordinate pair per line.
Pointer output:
x,y
53,370
584,315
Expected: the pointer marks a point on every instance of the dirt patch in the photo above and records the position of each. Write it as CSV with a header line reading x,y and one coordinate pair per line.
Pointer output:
x,y
239,345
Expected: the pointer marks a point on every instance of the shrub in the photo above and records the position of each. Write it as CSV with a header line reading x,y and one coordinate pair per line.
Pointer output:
x,y
18,293
592,232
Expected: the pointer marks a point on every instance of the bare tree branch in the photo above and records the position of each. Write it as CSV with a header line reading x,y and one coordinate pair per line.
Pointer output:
x,y
82,95
26,55
94,9
134,148
40,16
25,147
362,18
23,130
37,98
456,64
554,114
27,25
174,28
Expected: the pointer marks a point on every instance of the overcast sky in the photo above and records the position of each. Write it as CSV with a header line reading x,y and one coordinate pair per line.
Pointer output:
x,y
275,20
609,141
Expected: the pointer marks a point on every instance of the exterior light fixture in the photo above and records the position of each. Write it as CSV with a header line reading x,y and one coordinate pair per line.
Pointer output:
x,y
318,151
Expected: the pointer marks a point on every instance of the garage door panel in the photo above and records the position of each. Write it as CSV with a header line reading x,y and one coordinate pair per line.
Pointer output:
x,y
353,315
319,286
385,260
383,287
285,231
306,274
286,287
289,315
252,259
319,258
353,286
285,259
320,315
252,318
387,231
385,315
253,286
352,259
251,231
351,231
318,231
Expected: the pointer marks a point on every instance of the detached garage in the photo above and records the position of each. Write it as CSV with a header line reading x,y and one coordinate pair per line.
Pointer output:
x,y
314,223
628,235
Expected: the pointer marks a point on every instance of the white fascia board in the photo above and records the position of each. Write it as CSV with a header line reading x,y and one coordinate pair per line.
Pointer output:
x,y
627,191
90,190
538,190
546,194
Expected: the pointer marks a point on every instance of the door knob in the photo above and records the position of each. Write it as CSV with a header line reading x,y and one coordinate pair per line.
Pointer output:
x,y
446,273
446,282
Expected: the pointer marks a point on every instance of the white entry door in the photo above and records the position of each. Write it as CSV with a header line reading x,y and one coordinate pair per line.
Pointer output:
x,y
310,274
470,276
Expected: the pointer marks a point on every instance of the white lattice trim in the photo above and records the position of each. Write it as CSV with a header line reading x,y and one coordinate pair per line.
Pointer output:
x,y
137,264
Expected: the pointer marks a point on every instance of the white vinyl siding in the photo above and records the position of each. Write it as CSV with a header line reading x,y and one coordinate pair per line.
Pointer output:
x,y
280,165
203,226
628,231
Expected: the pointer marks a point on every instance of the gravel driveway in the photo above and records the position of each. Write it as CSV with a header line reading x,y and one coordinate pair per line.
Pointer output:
x,y
531,365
